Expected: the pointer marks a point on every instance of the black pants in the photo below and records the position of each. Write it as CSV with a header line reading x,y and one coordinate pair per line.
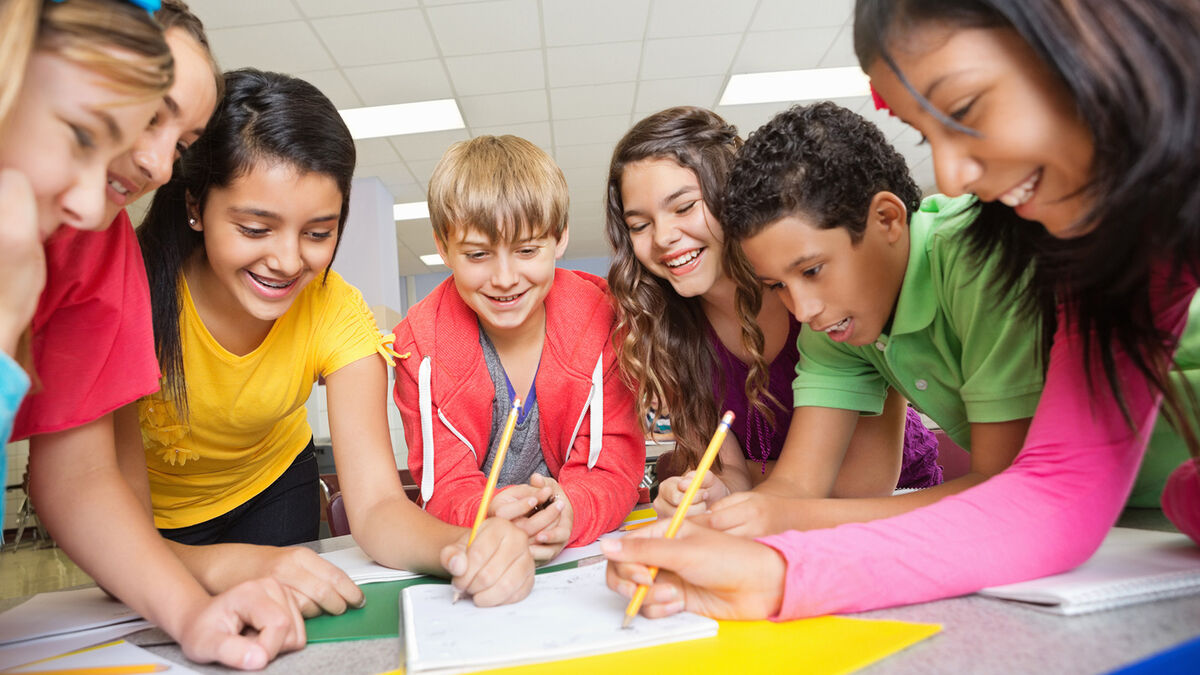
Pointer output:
x,y
287,512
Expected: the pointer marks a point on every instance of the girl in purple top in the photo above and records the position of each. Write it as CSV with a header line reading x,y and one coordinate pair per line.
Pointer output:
x,y
687,345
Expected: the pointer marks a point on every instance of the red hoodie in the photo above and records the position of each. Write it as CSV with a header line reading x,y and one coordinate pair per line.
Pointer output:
x,y
600,477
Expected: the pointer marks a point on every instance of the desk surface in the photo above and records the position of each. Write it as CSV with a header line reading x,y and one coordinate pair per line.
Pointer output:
x,y
979,635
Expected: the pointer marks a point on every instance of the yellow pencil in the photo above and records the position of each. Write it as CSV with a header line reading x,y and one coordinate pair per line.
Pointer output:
x,y
681,511
493,476
105,670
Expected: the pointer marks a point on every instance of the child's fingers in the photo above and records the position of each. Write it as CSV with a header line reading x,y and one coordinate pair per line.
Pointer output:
x,y
540,521
501,561
514,510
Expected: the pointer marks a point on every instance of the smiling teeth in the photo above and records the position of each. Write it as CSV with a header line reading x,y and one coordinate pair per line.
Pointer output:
x,y
507,298
683,259
116,185
272,284
841,325
1021,194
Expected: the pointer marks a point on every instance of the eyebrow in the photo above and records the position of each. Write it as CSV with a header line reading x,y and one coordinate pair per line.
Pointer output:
x,y
665,200
801,261
114,131
271,215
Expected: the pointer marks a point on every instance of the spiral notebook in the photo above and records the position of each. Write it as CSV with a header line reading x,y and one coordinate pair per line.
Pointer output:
x,y
1131,566
568,614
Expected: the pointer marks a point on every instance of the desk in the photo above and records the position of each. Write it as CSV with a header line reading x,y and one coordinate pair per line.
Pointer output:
x,y
979,635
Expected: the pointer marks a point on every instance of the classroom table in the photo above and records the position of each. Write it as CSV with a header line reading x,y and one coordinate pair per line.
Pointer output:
x,y
979,635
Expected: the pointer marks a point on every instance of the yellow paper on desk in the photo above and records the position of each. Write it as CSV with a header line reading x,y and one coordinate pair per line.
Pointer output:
x,y
827,644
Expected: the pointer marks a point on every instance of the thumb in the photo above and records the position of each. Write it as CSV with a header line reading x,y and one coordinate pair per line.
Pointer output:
x,y
241,652
668,554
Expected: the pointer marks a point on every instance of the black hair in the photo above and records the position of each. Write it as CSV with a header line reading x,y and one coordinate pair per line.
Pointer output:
x,y
263,117
821,161
1133,69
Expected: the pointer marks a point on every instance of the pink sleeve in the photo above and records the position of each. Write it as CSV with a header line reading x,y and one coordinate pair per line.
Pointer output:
x,y
1046,513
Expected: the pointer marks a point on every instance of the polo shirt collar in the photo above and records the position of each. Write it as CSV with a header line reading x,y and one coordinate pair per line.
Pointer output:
x,y
917,304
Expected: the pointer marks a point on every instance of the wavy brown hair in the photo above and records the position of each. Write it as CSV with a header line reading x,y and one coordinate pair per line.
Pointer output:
x,y
661,337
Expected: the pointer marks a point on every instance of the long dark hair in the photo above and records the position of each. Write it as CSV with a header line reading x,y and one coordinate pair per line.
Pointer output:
x,y
1133,70
661,337
264,117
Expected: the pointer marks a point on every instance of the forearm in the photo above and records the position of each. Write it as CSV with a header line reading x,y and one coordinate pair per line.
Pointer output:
x,y
88,508
814,514
398,534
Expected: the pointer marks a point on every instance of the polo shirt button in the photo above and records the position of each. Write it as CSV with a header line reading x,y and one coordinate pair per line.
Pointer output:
x,y
922,385
880,345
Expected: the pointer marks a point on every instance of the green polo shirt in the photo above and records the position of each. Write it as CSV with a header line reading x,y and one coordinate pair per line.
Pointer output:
x,y
957,351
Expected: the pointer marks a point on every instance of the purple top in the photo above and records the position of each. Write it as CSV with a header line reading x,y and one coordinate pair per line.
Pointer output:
x,y
761,442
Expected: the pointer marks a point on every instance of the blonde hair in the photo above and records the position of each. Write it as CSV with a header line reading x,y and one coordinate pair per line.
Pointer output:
x,y
503,186
112,38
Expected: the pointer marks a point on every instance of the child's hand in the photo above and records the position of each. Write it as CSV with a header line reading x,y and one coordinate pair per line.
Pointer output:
x,y
316,585
752,514
496,569
22,260
214,633
700,570
517,500
550,528
670,493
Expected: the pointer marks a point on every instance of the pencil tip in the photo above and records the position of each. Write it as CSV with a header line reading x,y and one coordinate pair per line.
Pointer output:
x,y
457,596
626,621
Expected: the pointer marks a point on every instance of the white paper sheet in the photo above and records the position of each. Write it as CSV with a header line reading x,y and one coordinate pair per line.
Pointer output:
x,y
62,612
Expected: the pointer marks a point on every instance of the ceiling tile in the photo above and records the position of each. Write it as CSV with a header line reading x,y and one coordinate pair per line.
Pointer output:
x,y
537,133
430,145
590,130
483,27
688,57
580,22
593,64
495,73
924,176
400,82
334,85
785,14
318,8
841,52
294,48
747,118
496,109
406,191
417,235
594,101
227,13
422,169
375,151
583,156
679,18
661,94
783,50
395,172
382,37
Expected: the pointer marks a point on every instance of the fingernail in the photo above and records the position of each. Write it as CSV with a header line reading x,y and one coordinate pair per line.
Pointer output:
x,y
458,565
560,506
611,545
361,603
254,659
675,607
664,594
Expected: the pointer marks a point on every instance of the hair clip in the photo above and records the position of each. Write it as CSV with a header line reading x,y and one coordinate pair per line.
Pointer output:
x,y
150,6
880,104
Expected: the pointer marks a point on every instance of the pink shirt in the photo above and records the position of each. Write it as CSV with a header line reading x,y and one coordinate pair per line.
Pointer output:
x,y
1045,514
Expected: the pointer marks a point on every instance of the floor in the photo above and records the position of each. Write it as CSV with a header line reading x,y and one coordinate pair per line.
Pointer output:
x,y
26,571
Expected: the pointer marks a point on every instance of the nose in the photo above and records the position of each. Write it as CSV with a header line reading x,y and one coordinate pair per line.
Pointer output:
x,y
665,234
955,169
154,156
802,305
504,272
82,202
285,258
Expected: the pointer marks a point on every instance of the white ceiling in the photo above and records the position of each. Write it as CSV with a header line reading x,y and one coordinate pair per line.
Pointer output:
x,y
570,75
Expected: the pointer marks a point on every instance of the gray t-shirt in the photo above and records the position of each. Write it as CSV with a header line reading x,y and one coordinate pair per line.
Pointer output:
x,y
525,450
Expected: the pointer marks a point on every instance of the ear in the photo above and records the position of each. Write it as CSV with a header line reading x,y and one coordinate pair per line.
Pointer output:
x,y
888,213
193,211
561,247
441,249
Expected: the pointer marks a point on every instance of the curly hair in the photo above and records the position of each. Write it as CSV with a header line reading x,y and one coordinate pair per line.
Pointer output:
x,y
661,338
1133,70
822,161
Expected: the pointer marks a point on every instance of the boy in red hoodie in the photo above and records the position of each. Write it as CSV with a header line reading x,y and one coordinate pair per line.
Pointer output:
x,y
506,325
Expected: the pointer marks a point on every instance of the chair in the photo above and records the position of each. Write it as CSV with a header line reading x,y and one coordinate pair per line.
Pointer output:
x,y
335,509
335,515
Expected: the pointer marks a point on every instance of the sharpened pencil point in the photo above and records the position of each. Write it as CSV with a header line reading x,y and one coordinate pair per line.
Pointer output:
x,y
626,621
457,596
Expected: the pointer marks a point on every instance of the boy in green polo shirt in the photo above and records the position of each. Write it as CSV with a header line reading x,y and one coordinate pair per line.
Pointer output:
x,y
829,218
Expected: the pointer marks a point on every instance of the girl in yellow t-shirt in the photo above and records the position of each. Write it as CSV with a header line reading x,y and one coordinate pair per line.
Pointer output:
x,y
247,316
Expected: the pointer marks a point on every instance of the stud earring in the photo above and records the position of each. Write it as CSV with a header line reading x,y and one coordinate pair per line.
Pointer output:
x,y
191,221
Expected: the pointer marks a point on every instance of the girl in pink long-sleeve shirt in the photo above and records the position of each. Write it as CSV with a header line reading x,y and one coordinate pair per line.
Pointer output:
x,y
1025,105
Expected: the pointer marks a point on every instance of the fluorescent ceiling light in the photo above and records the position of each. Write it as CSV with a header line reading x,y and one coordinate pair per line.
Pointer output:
x,y
403,118
796,85
411,211
432,259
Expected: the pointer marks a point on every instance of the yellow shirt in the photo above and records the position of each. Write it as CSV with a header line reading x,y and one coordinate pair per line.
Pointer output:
x,y
246,417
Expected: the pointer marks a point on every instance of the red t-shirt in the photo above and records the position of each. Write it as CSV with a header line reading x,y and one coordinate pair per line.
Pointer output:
x,y
93,339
